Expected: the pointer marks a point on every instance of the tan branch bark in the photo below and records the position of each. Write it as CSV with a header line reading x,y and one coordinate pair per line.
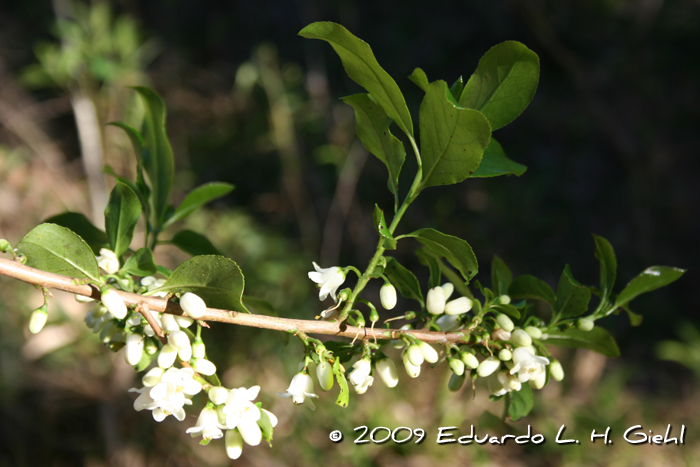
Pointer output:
x,y
68,284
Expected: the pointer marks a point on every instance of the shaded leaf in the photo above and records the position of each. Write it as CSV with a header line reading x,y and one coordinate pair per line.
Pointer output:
x,y
121,215
509,310
495,163
527,286
608,265
457,88
403,279
194,243
429,260
520,403
456,251
572,297
501,277
598,339
382,229
198,198
79,224
141,263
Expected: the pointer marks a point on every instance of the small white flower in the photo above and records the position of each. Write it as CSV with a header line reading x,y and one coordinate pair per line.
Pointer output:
x,y
527,365
488,367
534,332
167,397
387,295
509,382
412,370
539,381
329,279
114,303
207,425
435,301
241,413
199,350
183,321
387,372
494,385
300,390
108,261
458,306
505,322
193,305
83,299
360,377
585,324
134,349
324,373
470,360
153,376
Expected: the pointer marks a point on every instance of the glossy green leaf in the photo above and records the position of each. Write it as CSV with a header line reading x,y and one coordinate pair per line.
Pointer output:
x,y
403,279
531,287
457,88
56,249
372,126
344,394
598,339
218,280
650,279
450,274
265,426
495,163
362,67
520,403
197,198
608,265
503,84
141,191
427,259
501,277
572,297
420,79
456,251
382,229
121,215
259,306
509,310
140,187
80,225
141,263
452,139
157,155
194,243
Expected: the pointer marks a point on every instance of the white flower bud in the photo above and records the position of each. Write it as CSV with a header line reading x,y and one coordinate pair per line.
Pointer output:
x,y
458,306
134,349
504,322
387,372
324,373
488,367
148,281
203,366
556,371
168,323
98,310
412,370
539,381
38,319
447,289
90,320
429,353
153,376
504,300
469,360
435,301
179,340
167,356
198,348
534,332
83,299
218,395
585,324
234,444
185,354
456,382
183,321
108,330
505,355
114,303
521,338
414,355
193,305
457,366
387,295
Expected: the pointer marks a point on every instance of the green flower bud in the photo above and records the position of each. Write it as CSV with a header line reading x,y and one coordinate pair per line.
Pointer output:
x,y
198,348
38,319
534,332
505,322
470,360
414,355
488,366
5,246
410,315
429,353
521,338
504,300
585,324
324,373
556,371
505,355
457,366
456,382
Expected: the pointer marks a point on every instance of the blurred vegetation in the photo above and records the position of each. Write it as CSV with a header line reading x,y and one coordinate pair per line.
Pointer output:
x,y
610,145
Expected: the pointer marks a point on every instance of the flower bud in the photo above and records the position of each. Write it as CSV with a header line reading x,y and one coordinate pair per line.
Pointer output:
x,y
150,347
414,355
556,371
505,355
429,353
179,340
521,338
185,354
504,322
447,289
109,329
456,365
387,295
539,381
499,334
458,306
5,246
167,356
83,299
90,320
534,332
168,323
504,300
198,348
585,324
114,303
117,342
218,395
470,360
234,443
435,301
488,366
193,305
38,319
203,366
153,376
387,372
183,321
324,373
456,381
134,349
412,370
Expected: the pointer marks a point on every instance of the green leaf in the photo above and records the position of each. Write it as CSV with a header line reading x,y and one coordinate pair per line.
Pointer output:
x,y
531,287
372,126
521,403
635,319
198,198
259,306
344,395
158,155
456,251
501,277
598,339
457,88
509,310
142,192
56,249
362,67
265,426
650,279
382,229
420,79
608,265
495,163
427,259
140,186
452,138
572,297
217,280
80,225
141,263
403,279
144,362
121,215
194,243
503,84
164,271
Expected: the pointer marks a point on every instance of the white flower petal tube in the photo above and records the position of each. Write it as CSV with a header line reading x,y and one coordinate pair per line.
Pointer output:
x,y
387,372
458,306
134,349
301,389
324,373
114,303
360,377
435,301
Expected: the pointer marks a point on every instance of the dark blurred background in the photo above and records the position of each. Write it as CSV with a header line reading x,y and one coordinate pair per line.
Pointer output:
x,y
608,141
